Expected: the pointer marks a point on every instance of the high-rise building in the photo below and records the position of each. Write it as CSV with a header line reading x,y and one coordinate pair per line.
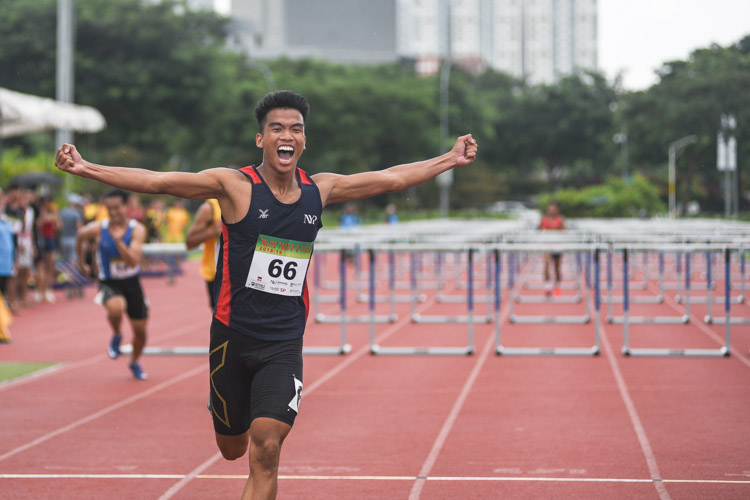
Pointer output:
x,y
539,40
362,31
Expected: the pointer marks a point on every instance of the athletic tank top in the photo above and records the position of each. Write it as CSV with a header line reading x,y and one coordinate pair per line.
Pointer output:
x,y
208,262
263,261
108,258
551,222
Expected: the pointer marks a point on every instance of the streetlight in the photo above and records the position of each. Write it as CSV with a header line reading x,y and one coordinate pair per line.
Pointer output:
x,y
674,149
444,180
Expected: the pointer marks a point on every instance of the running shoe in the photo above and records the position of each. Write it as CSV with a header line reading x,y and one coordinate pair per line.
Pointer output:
x,y
113,349
137,372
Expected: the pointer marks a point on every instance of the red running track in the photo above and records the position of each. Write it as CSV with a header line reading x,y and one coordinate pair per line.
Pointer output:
x,y
382,427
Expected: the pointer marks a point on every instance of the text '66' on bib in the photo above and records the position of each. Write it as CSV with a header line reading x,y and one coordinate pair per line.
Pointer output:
x,y
279,266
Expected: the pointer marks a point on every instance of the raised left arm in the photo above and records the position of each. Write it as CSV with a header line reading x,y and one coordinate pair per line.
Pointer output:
x,y
336,188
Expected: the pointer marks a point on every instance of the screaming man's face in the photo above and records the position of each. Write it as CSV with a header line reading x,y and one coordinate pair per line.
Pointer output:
x,y
283,138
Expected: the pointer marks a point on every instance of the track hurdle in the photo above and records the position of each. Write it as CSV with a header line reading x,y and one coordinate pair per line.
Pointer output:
x,y
709,299
167,253
640,299
392,298
344,317
562,299
535,319
727,299
662,320
469,319
594,350
627,350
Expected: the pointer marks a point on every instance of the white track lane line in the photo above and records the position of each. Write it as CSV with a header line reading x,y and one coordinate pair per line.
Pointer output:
x,y
640,432
189,477
104,411
478,479
437,446
65,366
175,488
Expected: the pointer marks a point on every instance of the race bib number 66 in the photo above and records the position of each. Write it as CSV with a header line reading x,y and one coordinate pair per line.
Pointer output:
x,y
279,266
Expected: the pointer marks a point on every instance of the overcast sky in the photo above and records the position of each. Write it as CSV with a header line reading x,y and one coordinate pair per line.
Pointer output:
x,y
636,36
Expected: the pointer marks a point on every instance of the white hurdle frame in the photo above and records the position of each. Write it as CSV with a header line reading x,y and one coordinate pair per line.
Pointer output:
x,y
727,299
470,319
535,319
660,320
594,350
627,350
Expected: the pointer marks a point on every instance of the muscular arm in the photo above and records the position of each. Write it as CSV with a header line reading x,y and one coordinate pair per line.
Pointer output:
x,y
209,183
203,227
335,188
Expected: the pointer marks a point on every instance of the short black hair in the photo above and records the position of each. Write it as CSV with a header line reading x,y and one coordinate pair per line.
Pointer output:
x,y
280,99
117,193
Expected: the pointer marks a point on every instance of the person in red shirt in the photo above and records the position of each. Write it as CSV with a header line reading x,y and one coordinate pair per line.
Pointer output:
x,y
552,221
48,223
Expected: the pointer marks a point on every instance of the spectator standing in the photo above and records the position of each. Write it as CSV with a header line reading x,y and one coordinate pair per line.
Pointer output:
x,y
177,221
48,225
6,268
71,220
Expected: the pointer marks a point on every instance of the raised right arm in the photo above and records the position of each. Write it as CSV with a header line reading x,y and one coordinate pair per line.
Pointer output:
x,y
199,186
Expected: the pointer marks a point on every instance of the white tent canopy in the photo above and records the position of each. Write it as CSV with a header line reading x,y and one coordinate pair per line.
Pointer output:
x,y
25,114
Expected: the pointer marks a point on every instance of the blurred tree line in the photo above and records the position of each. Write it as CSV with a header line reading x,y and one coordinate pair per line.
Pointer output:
x,y
176,97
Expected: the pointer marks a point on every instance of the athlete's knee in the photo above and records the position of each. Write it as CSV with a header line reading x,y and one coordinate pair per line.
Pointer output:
x,y
115,305
266,451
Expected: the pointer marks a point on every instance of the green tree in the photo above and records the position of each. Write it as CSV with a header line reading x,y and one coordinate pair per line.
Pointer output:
x,y
689,99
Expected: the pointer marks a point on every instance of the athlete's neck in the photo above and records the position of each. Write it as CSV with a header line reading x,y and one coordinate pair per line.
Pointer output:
x,y
283,184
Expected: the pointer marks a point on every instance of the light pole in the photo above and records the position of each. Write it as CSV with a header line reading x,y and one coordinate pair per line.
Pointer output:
x,y
622,139
674,149
444,180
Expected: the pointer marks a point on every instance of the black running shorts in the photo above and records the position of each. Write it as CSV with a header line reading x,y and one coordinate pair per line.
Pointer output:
x,y
130,289
252,378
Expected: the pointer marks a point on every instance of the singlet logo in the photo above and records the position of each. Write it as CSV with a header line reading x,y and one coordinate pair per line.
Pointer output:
x,y
311,219
263,213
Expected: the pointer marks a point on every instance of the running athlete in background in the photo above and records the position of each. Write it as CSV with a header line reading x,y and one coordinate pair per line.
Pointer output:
x,y
206,229
552,221
271,215
119,243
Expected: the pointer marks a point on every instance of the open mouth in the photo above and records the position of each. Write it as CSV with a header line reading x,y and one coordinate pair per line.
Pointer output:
x,y
285,153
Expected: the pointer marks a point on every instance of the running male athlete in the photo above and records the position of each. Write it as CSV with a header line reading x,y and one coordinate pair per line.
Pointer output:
x,y
119,242
271,215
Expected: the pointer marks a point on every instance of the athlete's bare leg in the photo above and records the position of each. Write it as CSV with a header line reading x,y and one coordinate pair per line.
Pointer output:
x,y
556,260
139,338
264,438
115,307
547,258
